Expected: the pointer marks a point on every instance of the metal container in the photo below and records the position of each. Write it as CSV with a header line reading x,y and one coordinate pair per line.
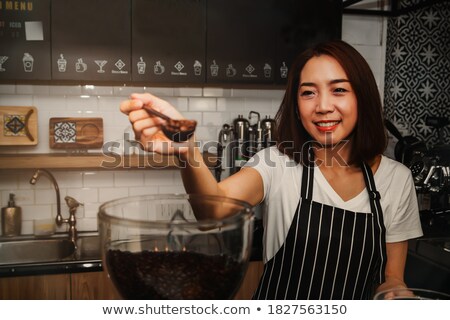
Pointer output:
x,y
11,219
241,128
240,152
268,132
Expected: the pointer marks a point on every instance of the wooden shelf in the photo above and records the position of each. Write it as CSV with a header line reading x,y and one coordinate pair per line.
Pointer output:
x,y
93,161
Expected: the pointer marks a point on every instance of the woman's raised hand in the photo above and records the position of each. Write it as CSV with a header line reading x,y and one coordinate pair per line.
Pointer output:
x,y
147,128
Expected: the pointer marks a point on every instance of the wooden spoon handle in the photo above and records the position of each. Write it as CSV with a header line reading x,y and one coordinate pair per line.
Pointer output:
x,y
157,113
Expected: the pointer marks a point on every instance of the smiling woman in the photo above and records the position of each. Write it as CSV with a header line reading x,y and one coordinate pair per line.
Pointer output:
x,y
326,101
332,229
332,77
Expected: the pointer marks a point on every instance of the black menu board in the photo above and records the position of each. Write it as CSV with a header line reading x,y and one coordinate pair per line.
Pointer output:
x,y
168,41
25,40
91,40
299,25
240,41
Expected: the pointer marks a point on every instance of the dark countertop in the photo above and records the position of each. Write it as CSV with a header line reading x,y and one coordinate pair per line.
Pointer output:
x,y
87,258
428,261
428,264
31,269
433,246
435,250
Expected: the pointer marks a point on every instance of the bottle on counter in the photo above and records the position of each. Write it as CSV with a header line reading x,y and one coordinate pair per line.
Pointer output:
x,y
11,218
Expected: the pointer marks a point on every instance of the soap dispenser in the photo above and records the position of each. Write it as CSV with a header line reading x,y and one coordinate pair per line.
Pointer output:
x,y
11,218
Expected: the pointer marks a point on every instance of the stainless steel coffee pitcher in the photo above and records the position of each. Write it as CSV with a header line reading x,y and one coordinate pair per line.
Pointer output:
x,y
268,132
239,147
255,143
225,137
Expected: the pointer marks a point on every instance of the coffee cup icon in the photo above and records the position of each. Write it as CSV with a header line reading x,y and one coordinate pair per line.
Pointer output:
x,y
62,63
284,70
158,68
197,68
267,70
2,61
214,69
28,61
141,66
231,71
80,66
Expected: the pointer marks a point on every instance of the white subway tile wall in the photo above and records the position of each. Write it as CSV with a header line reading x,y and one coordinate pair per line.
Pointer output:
x,y
211,107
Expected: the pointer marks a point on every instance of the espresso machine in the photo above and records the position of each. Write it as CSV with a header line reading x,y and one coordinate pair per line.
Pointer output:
x,y
430,168
431,171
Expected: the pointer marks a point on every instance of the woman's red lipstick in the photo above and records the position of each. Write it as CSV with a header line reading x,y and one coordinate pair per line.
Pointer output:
x,y
326,125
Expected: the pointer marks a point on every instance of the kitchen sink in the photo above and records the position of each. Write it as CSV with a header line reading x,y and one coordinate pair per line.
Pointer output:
x,y
88,248
35,251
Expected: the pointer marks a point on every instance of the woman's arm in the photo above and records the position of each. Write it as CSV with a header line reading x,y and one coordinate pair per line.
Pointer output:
x,y
395,265
246,185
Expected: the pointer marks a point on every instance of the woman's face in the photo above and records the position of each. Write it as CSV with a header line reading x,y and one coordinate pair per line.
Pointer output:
x,y
327,104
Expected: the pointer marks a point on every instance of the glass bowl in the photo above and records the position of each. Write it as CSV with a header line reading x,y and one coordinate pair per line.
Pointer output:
x,y
410,294
159,247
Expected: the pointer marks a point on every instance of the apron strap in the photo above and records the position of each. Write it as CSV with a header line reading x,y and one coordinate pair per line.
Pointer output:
x,y
374,195
308,176
375,206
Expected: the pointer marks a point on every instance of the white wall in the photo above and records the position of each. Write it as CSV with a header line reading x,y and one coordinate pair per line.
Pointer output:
x,y
212,107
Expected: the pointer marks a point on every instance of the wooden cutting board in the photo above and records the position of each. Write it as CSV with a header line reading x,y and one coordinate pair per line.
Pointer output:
x,y
76,133
19,126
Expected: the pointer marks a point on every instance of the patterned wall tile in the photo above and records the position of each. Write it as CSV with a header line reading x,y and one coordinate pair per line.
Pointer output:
x,y
14,125
65,132
417,79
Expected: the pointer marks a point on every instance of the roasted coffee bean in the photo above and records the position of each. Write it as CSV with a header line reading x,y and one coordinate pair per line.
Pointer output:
x,y
174,275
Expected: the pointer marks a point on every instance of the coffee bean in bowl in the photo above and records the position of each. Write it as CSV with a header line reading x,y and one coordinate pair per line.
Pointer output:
x,y
158,247
174,275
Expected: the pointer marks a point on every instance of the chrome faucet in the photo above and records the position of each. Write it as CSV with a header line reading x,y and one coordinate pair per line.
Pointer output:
x,y
71,203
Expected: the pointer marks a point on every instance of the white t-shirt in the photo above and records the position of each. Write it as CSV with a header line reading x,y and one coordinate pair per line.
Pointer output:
x,y
282,181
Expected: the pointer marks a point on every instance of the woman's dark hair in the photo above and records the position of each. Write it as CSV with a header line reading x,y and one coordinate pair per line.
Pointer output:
x,y
369,136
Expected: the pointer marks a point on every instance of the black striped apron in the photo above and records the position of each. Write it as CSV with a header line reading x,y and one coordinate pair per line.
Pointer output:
x,y
329,252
